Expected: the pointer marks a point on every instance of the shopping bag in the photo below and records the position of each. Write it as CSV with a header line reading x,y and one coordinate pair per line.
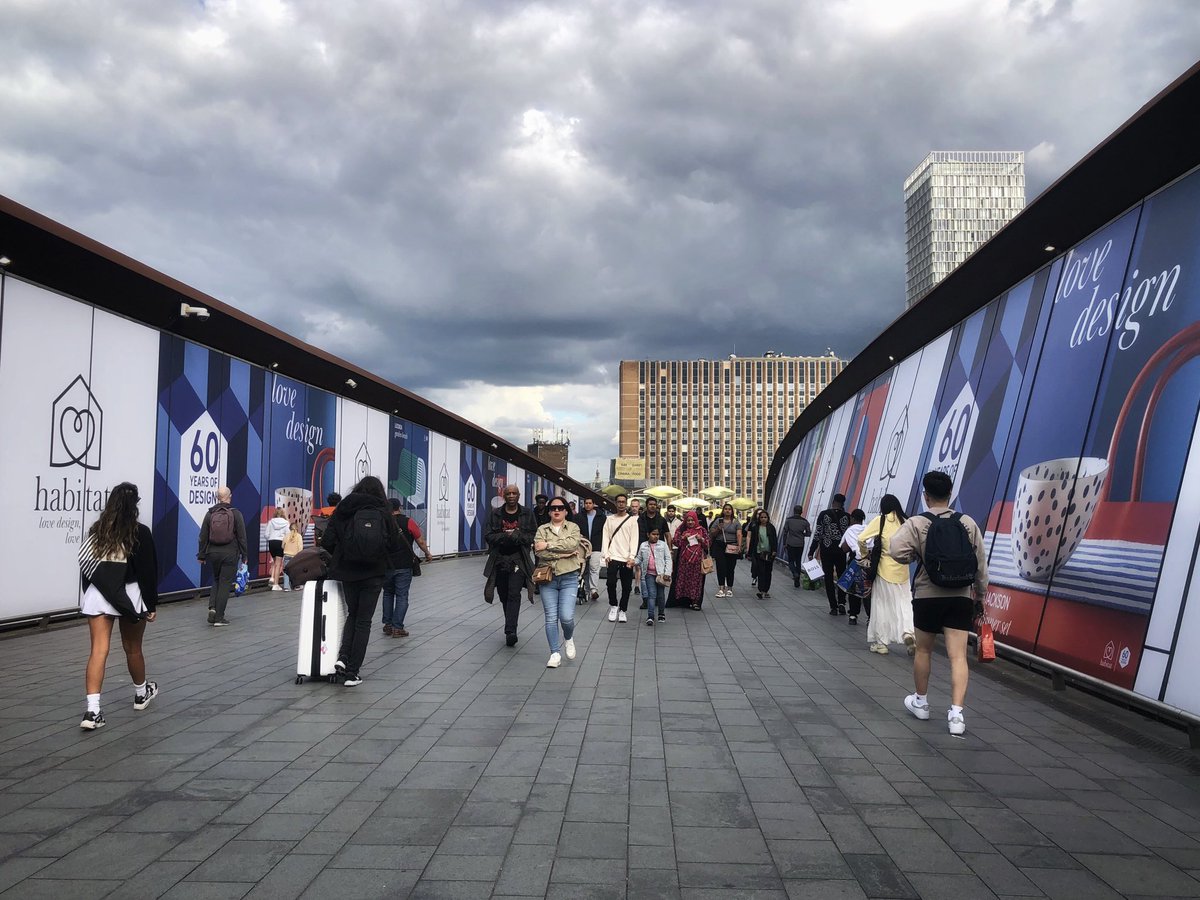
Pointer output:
x,y
985,644
242,580
812,568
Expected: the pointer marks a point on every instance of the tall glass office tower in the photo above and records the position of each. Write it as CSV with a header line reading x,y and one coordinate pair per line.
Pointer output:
x,y
953,202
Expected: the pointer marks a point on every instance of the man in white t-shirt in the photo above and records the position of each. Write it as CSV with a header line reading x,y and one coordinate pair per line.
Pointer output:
x,y
620,550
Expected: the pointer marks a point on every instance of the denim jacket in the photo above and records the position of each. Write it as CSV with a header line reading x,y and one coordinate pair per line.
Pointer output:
x,y
662,557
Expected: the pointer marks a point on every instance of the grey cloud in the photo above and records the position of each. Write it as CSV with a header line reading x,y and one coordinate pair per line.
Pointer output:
x,y
691,177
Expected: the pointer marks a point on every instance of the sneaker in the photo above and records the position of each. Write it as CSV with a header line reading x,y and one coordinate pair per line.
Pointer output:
x,y
92,721
400,632
637,590
643,606
554,661
595,596
612,614
852,620
879,648
955,723
721,592
841,609
650,620
340,667
212,617
758,594
662,617
276,587
388,630
220,623
766,595
569,647
510,640
141,701
728,592
910,642
796,582
833,612
920,710
621,617
352,680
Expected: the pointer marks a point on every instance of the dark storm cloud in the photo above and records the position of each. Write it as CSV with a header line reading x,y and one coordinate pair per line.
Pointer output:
x,y
427,189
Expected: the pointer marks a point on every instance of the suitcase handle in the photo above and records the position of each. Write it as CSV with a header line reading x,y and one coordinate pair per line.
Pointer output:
x,y
1185,347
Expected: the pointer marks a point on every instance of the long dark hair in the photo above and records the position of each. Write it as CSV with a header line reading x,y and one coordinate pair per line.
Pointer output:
x,y
115,532
372,487
890,503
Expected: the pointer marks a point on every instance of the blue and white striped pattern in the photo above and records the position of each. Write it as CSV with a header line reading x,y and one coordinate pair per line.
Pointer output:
x,y
1117,574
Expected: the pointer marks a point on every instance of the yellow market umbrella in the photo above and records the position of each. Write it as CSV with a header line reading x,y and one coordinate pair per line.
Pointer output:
x,y
663,492
690,502
742,504
716,492
613,490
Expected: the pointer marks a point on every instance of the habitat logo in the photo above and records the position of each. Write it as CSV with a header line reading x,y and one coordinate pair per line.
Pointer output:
x,y
76,427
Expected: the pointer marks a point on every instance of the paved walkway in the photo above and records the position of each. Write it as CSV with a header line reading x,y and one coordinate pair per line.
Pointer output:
x,y
751,750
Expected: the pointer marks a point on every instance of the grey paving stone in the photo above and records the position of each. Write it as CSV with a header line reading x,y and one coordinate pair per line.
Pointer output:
x,y
593,841
721,845
879,876
824,890
731,810
1141,875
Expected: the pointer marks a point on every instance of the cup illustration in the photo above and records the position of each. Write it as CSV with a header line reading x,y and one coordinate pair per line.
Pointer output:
x,y
296,503
1055,501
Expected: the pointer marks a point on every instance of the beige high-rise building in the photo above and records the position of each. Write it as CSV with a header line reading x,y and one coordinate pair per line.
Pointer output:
x,y
954,201
699,423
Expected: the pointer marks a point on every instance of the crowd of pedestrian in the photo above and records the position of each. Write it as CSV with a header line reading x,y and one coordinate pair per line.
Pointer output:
x,y
558,553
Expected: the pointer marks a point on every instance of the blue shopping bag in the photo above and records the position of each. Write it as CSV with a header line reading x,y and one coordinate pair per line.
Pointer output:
x,y
241,580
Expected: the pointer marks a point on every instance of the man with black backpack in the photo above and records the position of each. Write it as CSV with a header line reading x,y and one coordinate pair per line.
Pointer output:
x,y
223,547
362,536
949,587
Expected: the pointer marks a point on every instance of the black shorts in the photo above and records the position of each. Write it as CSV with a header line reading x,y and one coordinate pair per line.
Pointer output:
x,y
276,548
932,614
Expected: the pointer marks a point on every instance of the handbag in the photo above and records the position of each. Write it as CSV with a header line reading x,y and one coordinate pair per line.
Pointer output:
x,y
985,645
707,565
664,580
543,574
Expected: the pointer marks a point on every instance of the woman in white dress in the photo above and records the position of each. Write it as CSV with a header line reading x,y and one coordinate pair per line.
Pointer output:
x,y
119,571
891,595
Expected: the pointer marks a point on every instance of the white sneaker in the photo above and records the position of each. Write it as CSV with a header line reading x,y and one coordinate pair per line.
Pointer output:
x,y
276,587
728,592
569,647
879,648
554,661
612,614
920,710
955,723
621,617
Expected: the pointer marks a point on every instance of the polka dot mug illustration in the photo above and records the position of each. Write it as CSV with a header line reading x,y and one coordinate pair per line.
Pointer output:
x,y
1054,507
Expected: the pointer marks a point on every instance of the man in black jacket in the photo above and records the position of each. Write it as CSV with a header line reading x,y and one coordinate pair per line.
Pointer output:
x,y
827,540
509,535
591,526
361,536
223,547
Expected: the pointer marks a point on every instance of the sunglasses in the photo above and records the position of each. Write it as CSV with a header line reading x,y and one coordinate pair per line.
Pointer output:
x,y
557,508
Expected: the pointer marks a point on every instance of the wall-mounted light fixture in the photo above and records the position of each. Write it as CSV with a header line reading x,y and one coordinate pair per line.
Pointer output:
x,y
351,383
187,311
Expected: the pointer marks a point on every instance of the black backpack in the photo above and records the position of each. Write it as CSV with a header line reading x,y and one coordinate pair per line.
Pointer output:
x,y
949,557
365,540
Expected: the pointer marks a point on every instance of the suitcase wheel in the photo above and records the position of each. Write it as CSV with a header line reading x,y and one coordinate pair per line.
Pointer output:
x,y
299,679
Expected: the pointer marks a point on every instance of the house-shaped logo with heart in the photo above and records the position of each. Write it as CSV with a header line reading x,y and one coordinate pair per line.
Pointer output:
x,y
76,427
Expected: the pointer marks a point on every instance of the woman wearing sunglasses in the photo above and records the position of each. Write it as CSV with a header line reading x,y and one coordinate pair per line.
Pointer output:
x,y
557,545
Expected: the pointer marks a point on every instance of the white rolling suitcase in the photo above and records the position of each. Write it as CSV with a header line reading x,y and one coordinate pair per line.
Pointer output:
x,y
322,614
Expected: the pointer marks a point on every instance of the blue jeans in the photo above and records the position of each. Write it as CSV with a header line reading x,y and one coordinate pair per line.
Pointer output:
x,y
558,602
652,593
396,583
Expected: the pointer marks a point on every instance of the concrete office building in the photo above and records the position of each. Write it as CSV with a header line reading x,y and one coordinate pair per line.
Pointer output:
x,y
953,202
699,423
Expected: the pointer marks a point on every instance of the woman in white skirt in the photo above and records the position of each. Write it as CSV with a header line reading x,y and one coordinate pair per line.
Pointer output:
x,y
119,571
891,610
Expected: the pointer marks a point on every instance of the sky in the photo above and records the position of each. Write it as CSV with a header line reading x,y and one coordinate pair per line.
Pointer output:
x,y
493,203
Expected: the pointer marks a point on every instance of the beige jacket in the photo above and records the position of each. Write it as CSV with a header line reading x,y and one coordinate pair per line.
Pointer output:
x,y
562,551
908,544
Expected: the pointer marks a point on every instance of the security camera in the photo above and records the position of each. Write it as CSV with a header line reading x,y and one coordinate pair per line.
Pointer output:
x,y
188,311
351,383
